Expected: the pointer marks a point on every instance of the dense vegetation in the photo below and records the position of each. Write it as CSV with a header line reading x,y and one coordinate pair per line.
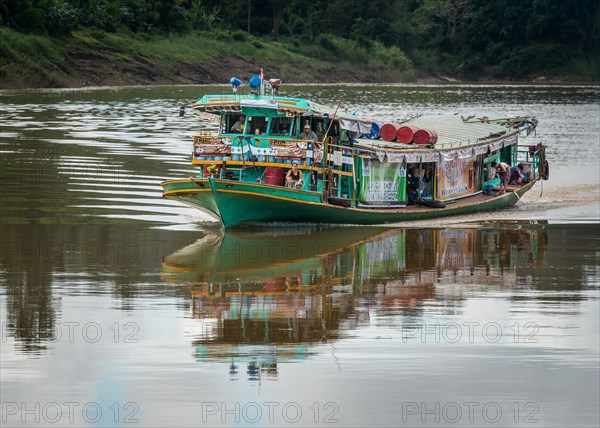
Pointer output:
x,y
515,39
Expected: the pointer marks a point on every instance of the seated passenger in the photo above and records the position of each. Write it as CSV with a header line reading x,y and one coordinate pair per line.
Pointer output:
x,y
419,181
516,174
294,177
238,125
284,127
257,125
307,134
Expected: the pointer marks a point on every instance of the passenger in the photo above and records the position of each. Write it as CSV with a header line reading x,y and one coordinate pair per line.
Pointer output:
x,y
294,177
419,181
352,137
516,174
307,134
504,173
284,127
237,126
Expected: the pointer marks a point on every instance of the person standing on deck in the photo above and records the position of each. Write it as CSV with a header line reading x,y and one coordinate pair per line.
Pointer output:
x,y
504,173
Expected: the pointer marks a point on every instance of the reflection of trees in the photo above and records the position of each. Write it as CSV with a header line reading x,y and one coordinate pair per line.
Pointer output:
x,y
27,279
42,262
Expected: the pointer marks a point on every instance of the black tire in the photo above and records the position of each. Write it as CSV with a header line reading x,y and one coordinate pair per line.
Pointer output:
x,y
546,170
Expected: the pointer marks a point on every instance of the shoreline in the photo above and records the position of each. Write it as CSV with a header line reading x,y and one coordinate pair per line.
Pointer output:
x,y
12,87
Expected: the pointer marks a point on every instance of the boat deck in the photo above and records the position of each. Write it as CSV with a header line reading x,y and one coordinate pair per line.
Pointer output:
x,y
463,202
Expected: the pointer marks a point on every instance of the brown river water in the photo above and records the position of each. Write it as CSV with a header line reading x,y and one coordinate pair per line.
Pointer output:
x,y
120,308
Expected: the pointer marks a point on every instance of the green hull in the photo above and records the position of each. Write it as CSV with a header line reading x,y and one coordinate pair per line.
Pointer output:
x,y
240,203
196,193
235,203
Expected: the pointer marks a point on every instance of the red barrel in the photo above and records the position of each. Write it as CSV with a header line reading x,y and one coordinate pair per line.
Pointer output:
x,y
406,133
388,131
275,176
425,136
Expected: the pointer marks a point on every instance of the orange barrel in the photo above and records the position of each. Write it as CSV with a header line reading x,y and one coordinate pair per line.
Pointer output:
x,y
406,133
275,176
388,131
425,136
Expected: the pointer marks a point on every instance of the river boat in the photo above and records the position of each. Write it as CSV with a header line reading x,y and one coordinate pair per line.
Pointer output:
x,y
351,169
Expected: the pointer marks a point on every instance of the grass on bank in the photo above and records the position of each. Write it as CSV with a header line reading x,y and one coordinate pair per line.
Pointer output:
x,y
214,46
29,59
88,54
46,61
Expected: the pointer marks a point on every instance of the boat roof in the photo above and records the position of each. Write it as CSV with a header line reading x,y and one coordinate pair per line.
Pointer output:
x,y
456,130
453,130
297,106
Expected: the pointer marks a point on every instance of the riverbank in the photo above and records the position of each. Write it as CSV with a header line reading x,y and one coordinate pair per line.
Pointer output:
x,y
96,58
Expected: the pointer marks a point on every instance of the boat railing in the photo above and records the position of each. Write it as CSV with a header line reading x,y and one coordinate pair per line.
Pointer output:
x,y
529,156
273,152
260,148
340,158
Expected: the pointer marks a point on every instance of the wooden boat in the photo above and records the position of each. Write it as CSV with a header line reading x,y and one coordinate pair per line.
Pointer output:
x,y
434,166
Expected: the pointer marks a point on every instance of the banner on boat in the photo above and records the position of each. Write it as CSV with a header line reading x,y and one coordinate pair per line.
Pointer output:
x,y
383,183
456,179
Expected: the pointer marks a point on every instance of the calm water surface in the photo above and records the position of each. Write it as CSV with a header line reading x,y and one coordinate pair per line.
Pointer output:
x,y
120,308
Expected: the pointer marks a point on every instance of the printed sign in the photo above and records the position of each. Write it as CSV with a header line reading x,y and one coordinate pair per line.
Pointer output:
x,y
382,183
456,176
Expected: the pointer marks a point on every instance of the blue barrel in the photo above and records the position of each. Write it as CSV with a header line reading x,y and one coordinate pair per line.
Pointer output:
x,y
254,81
374,134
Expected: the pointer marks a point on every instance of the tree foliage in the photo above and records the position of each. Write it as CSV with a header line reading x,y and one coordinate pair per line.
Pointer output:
x,y
461,36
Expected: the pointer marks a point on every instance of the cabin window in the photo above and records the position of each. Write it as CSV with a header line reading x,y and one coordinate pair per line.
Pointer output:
x,y
234,124
334,132
281,126
319,127
257,125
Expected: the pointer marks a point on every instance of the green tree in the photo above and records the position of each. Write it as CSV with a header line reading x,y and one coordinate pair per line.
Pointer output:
x,y
61,18
24,15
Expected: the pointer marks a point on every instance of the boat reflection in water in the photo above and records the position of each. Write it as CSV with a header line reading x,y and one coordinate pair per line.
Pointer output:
x,y
266,298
